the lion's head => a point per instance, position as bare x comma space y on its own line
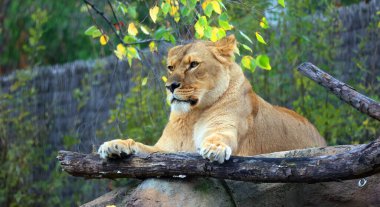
198, 73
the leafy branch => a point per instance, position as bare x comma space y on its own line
113, 28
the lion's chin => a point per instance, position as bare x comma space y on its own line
180, 107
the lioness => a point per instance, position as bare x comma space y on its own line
215, 112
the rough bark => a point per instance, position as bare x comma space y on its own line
211, 192
358, 162
343, 91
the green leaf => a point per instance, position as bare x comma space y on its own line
165, 8
208, 10
144, 81
199, 29
221, 33
263, 62
203, 21
223, 21
246, 61
246, 47
132, 12
169, 37
216, 7
185, 11
253, 65
281, 2
264, 23
129, 39
122, 8
208, 31
200, 26
221, 4
223, 16
217, 34
132, 52
144, 30
192, 4
260, 38
246, 37
93, 31
158, 34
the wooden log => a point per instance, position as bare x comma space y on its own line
343, 91
360, 161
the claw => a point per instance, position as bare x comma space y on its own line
115, 148
216, 152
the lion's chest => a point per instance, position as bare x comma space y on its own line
181, 133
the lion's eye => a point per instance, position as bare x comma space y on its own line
170, 68
194, 64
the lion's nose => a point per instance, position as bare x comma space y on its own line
173, 86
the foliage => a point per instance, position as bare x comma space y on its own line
168, 19
38, 32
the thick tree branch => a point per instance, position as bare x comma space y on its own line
342, 90
358, 162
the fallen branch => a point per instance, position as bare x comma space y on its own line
297, 166
358, 162
343, 91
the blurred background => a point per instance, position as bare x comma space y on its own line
62, 90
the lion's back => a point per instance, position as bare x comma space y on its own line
278, 129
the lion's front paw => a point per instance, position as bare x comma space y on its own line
215, 151
117, 147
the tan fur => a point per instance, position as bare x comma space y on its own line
228, 115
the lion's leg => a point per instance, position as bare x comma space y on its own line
128, 146
219, 146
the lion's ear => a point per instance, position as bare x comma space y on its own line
225, 48
174, 50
